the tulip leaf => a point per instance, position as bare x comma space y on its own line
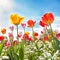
21, 51
57, 47
1, 46
12, 55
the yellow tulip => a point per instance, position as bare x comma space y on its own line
27, 33
16, 19
21, 19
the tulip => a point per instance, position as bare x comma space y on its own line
58, 35
16, 19
3, 31
27, 33
45, 38
19, 34
31, 23
11, 28
23, 25
11, 37
42, 24
48, 18
35, 34
1, 38
15, 42
7, 44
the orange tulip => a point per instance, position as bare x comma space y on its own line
16, 19
48, 18
31, 23
35, 34
3, 31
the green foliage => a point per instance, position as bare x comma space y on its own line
57, 45
21, 51
1, 46
12, 55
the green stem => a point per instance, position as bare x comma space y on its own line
17, 32
24, 30
24, 36
33, 33
53, 41
51, 30
47, 30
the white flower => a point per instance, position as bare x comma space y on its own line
5, 57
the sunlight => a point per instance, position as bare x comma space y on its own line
3, 2
6, 3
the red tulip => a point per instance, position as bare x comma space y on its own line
48, 18
42, 32
58, 35
35, 34
42, 24
31, 23
45, 38
1, 38
19, 34
26, 36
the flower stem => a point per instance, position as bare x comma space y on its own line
24, 30
17, 32
51, 30
33, 33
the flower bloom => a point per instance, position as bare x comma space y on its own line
27, 32
42, 24
11, 28
1, 38
31, 23
58, 36
15, 42
48, 18
35, 34
19, 34
7, 44
10, 36
3, 31
23, 25
16, 19
45, 38
26, 36
42, 32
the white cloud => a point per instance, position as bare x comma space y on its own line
57, 18
56, 23
6, 6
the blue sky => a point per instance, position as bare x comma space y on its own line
30, 9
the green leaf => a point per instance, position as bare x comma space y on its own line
12, 55
57, 45
31, 57
1, 46
21, 51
